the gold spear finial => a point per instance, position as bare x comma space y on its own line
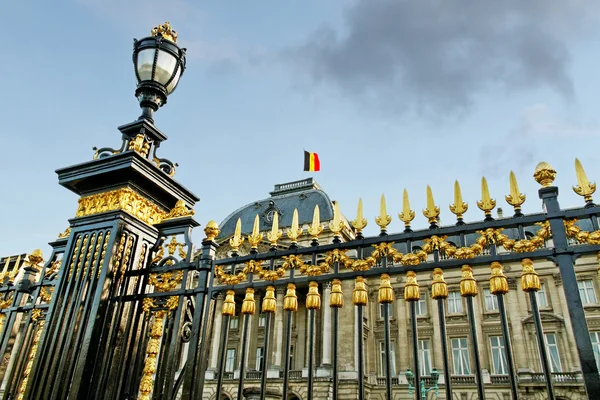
384, 219
336, 225
360, 222
316, 228
255, 238
459, 207
407, 215
294, 232
584, 187
432, 211
275, 233
486, 204
236, 241
516, 198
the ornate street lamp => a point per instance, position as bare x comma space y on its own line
159, 63
435, 376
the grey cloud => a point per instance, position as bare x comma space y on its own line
437, 56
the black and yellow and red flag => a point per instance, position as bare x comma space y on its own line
311, 161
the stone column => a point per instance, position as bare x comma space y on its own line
278, 332
403, 336
326, 336
437, 357
216, 338
516, 311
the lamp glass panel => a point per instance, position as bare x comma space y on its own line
145, 61
165, 65
175, 80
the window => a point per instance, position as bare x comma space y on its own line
381, 310
460, 356
595, 336
230, 361
586, 291
262, 317
424, 357
234, 322
259, 357
552, 349
499, 363
491, 300
422, 306
542, 297
382, 358
454, 302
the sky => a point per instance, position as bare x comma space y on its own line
391, 94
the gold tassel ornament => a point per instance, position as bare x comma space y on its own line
249, 304
336, 297
360, 297
498, 281
468, 284
313, 298
229, 304
269, 303
412, 291
385, 294
530, 280
290, 301
439, 287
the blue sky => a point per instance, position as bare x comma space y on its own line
391, 94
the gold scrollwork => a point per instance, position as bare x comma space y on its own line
583, 237
140, 144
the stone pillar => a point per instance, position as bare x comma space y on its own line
403, 327
516, 311
326, 336
437, 357
278, 332
216, 337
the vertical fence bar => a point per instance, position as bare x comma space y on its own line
313, 302
564, 258
227, 312
385, 298
530, 282
290, 304
499, 287
439, 291
468, 289
360, 298
269, 305
248, 310
412, 294
336, 301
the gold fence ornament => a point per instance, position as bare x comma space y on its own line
313, 298
32, 353
383, 220
432, 211
275, 233
439, 287
229, 304
360, 222
459, 207
407, 215
249, 304
315, 229
530, 280
147, 382
385, 294
336, 225
468, 284
294, 232
412, 291
498, 281
336, 297
486, 204
544, 174
269, 303
584, 187
255, 238
360, 296
515, 198
237, 240
290, 301
179, 211
212, 230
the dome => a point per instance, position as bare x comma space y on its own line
302, 195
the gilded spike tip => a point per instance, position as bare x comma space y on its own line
516, 198
236, 241
459, 207
316, 228
486, 204
407, 215
336, 225
544, 174
383, 220
294, 232
275, 233
432, 212
584, 187
360, 222
255, 238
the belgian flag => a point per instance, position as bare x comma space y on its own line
311, 161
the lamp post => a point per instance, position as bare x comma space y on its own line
159, 63
410, 377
